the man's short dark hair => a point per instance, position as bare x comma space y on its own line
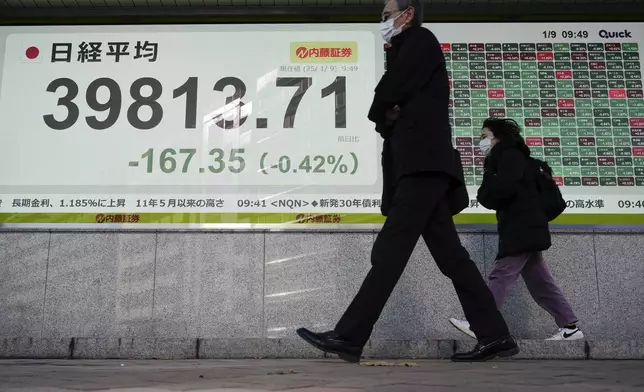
417, 5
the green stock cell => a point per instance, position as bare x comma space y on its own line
567, 132
550, 122
531, 112
478, 181
604, 141
533, 132
616, 84
536, 152
587, 151
531, 94
557, 171
529, 75
630, 47
607, 181
623, 171
552, 151
570, 151
619, 122
529, 66
584, 112
589, 171
586, 132
618, 103
551, 132
462, 132
514, 113
554, 161
638, 161
622, 141
462, 112
585, 122
538, 132
494, 75
513, 93
621, 132
564, 85
613, 75
571, 171
460, 66
480, 113
584, 103
478, 93
636, 112
563, 65
496, 103
607, 171
566, 93
469, 181
546, 66
512, 75
479, 103
495, 65
614, 56
477, 66
580, 65
561, 47
601, 103
468, 171
511, 66
623, 160
619, 112
569, 142
527, 84
567, 122
478, 75
460, 75
603, 132
636, 103
570, 161
588, 161
497, 84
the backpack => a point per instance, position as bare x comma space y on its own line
549, 193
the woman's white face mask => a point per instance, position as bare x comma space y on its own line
485, 145
388, 30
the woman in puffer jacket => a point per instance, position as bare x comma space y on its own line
510, 188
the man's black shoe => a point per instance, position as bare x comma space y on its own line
332, 342
501, 348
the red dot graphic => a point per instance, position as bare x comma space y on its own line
32, 52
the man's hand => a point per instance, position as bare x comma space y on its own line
392, 114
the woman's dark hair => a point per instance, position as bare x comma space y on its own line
507, 130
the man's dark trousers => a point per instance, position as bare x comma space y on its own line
419, 208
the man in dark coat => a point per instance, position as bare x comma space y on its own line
410, 110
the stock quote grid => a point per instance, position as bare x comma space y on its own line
580, 105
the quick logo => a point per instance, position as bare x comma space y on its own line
615, 34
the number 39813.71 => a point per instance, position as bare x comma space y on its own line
113, 104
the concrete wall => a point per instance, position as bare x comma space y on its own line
214, 295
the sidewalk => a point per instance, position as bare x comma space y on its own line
319, 376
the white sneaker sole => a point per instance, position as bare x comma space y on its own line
466, 331
578, 336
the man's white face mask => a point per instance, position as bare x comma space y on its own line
388, 30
